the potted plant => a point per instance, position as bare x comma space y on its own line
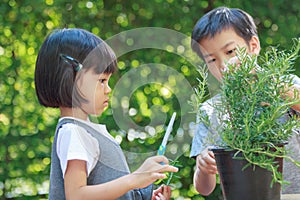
253, 123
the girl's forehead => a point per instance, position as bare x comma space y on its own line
94, 71
104, 75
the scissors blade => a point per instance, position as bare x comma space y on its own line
162, 147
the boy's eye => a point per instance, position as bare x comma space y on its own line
231, 51
211, 60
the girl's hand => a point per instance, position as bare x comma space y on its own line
162, 193
151, 170
206, 162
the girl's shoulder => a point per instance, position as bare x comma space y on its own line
73, 132
74, 142
85, 128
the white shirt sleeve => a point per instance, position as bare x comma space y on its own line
74, 143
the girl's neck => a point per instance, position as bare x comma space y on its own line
73, 112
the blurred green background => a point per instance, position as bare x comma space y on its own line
27, 129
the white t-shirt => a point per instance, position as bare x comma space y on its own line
75, 143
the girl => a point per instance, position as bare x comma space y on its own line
72, 72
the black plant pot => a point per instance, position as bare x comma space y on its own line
245, 184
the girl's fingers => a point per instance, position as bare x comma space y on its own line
161, 159
167, 191
159, 190
161, 197
170, 168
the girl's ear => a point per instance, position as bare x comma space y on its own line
254, 45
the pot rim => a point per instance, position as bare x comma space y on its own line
216, 148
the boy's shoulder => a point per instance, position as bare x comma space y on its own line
211, 103
295, 79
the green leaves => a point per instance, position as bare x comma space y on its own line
253, 109
255, 98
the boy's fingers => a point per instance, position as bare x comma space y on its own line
209, 158
209, 168
210, 161
211, 154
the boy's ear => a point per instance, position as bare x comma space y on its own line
254, 45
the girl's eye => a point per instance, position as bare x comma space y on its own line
102, 80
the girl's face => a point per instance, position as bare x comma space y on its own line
220, 50
95, 89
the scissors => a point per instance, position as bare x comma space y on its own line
162, 147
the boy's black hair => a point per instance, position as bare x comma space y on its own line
56, 73
219, 19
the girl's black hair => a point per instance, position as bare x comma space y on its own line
219, 19
59, 60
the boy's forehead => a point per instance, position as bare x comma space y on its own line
220, 41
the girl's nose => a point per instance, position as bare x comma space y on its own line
107, 89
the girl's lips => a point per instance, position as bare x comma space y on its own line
106, 102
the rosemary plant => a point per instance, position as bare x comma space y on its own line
254, 106
170, 175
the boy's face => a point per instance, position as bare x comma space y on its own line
220, 50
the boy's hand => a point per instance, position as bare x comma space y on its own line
162, 193
206, 162
293, 92
151, 170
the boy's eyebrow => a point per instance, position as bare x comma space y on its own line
207, 55
224, 47
227, 44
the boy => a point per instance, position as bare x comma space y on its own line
215, 38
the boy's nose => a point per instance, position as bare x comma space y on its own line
234, 61
224, 66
